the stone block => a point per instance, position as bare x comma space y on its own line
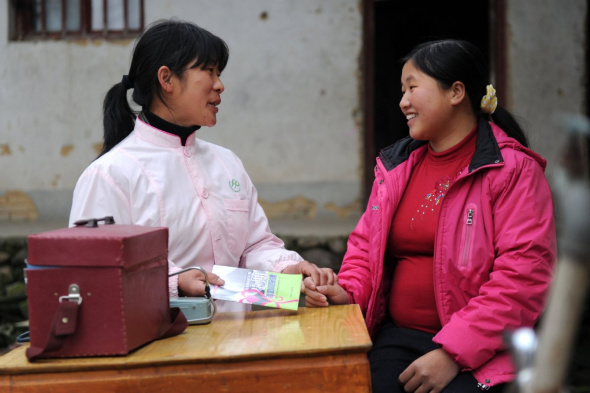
4, 258
6, 276
16, 290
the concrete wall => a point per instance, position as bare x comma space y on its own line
290, 110
547, 46
292, 105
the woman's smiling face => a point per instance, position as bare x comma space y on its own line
425, 104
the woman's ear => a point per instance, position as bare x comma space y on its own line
458, 93
165, 79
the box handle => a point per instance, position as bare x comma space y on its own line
64, 323
93, 222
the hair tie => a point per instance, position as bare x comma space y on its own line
127, 83
489, 102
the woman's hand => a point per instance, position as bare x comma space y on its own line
320, 276
431, 372
192, 282
324, 295
315, 279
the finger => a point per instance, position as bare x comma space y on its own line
329, 290
215, 279
315, 296
322, 277
308, 283
412, 382
308, 269
315, 299
315, 274
406, 375
314, 303
412, 385
303, 267
425, 388
328, 276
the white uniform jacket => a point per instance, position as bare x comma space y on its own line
200, 191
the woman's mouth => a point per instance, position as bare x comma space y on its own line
213, 105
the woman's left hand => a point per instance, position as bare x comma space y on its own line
192, 282
320, 276
431, 372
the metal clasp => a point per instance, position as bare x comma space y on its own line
73, 294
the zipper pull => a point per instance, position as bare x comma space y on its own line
470, 217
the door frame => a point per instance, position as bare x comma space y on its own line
497, 68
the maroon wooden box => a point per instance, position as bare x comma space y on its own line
121, 272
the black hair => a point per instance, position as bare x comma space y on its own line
172, 43
449, 61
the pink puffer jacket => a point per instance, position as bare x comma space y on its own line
495, 249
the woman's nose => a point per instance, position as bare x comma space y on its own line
404, 102
218, 85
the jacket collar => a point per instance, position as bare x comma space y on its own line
487, 150
159, 137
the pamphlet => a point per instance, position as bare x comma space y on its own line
268, 289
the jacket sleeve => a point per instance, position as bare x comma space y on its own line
355, 274
263, 250
97, 195
525, 252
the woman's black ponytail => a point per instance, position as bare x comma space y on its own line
118, 117
506, 121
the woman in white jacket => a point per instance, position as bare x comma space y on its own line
153, 170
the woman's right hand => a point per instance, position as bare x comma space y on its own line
324, 295
192, 282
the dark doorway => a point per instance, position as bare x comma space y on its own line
396, 27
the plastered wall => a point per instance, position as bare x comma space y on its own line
292, 106
547, 71
290, 110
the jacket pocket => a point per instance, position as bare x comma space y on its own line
467, 236
237, 214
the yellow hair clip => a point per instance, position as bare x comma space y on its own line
489, 102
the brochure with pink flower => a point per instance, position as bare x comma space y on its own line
276, 290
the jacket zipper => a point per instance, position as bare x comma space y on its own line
469, 224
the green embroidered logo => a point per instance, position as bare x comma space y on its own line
234, 185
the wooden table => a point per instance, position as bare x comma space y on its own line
311, 350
